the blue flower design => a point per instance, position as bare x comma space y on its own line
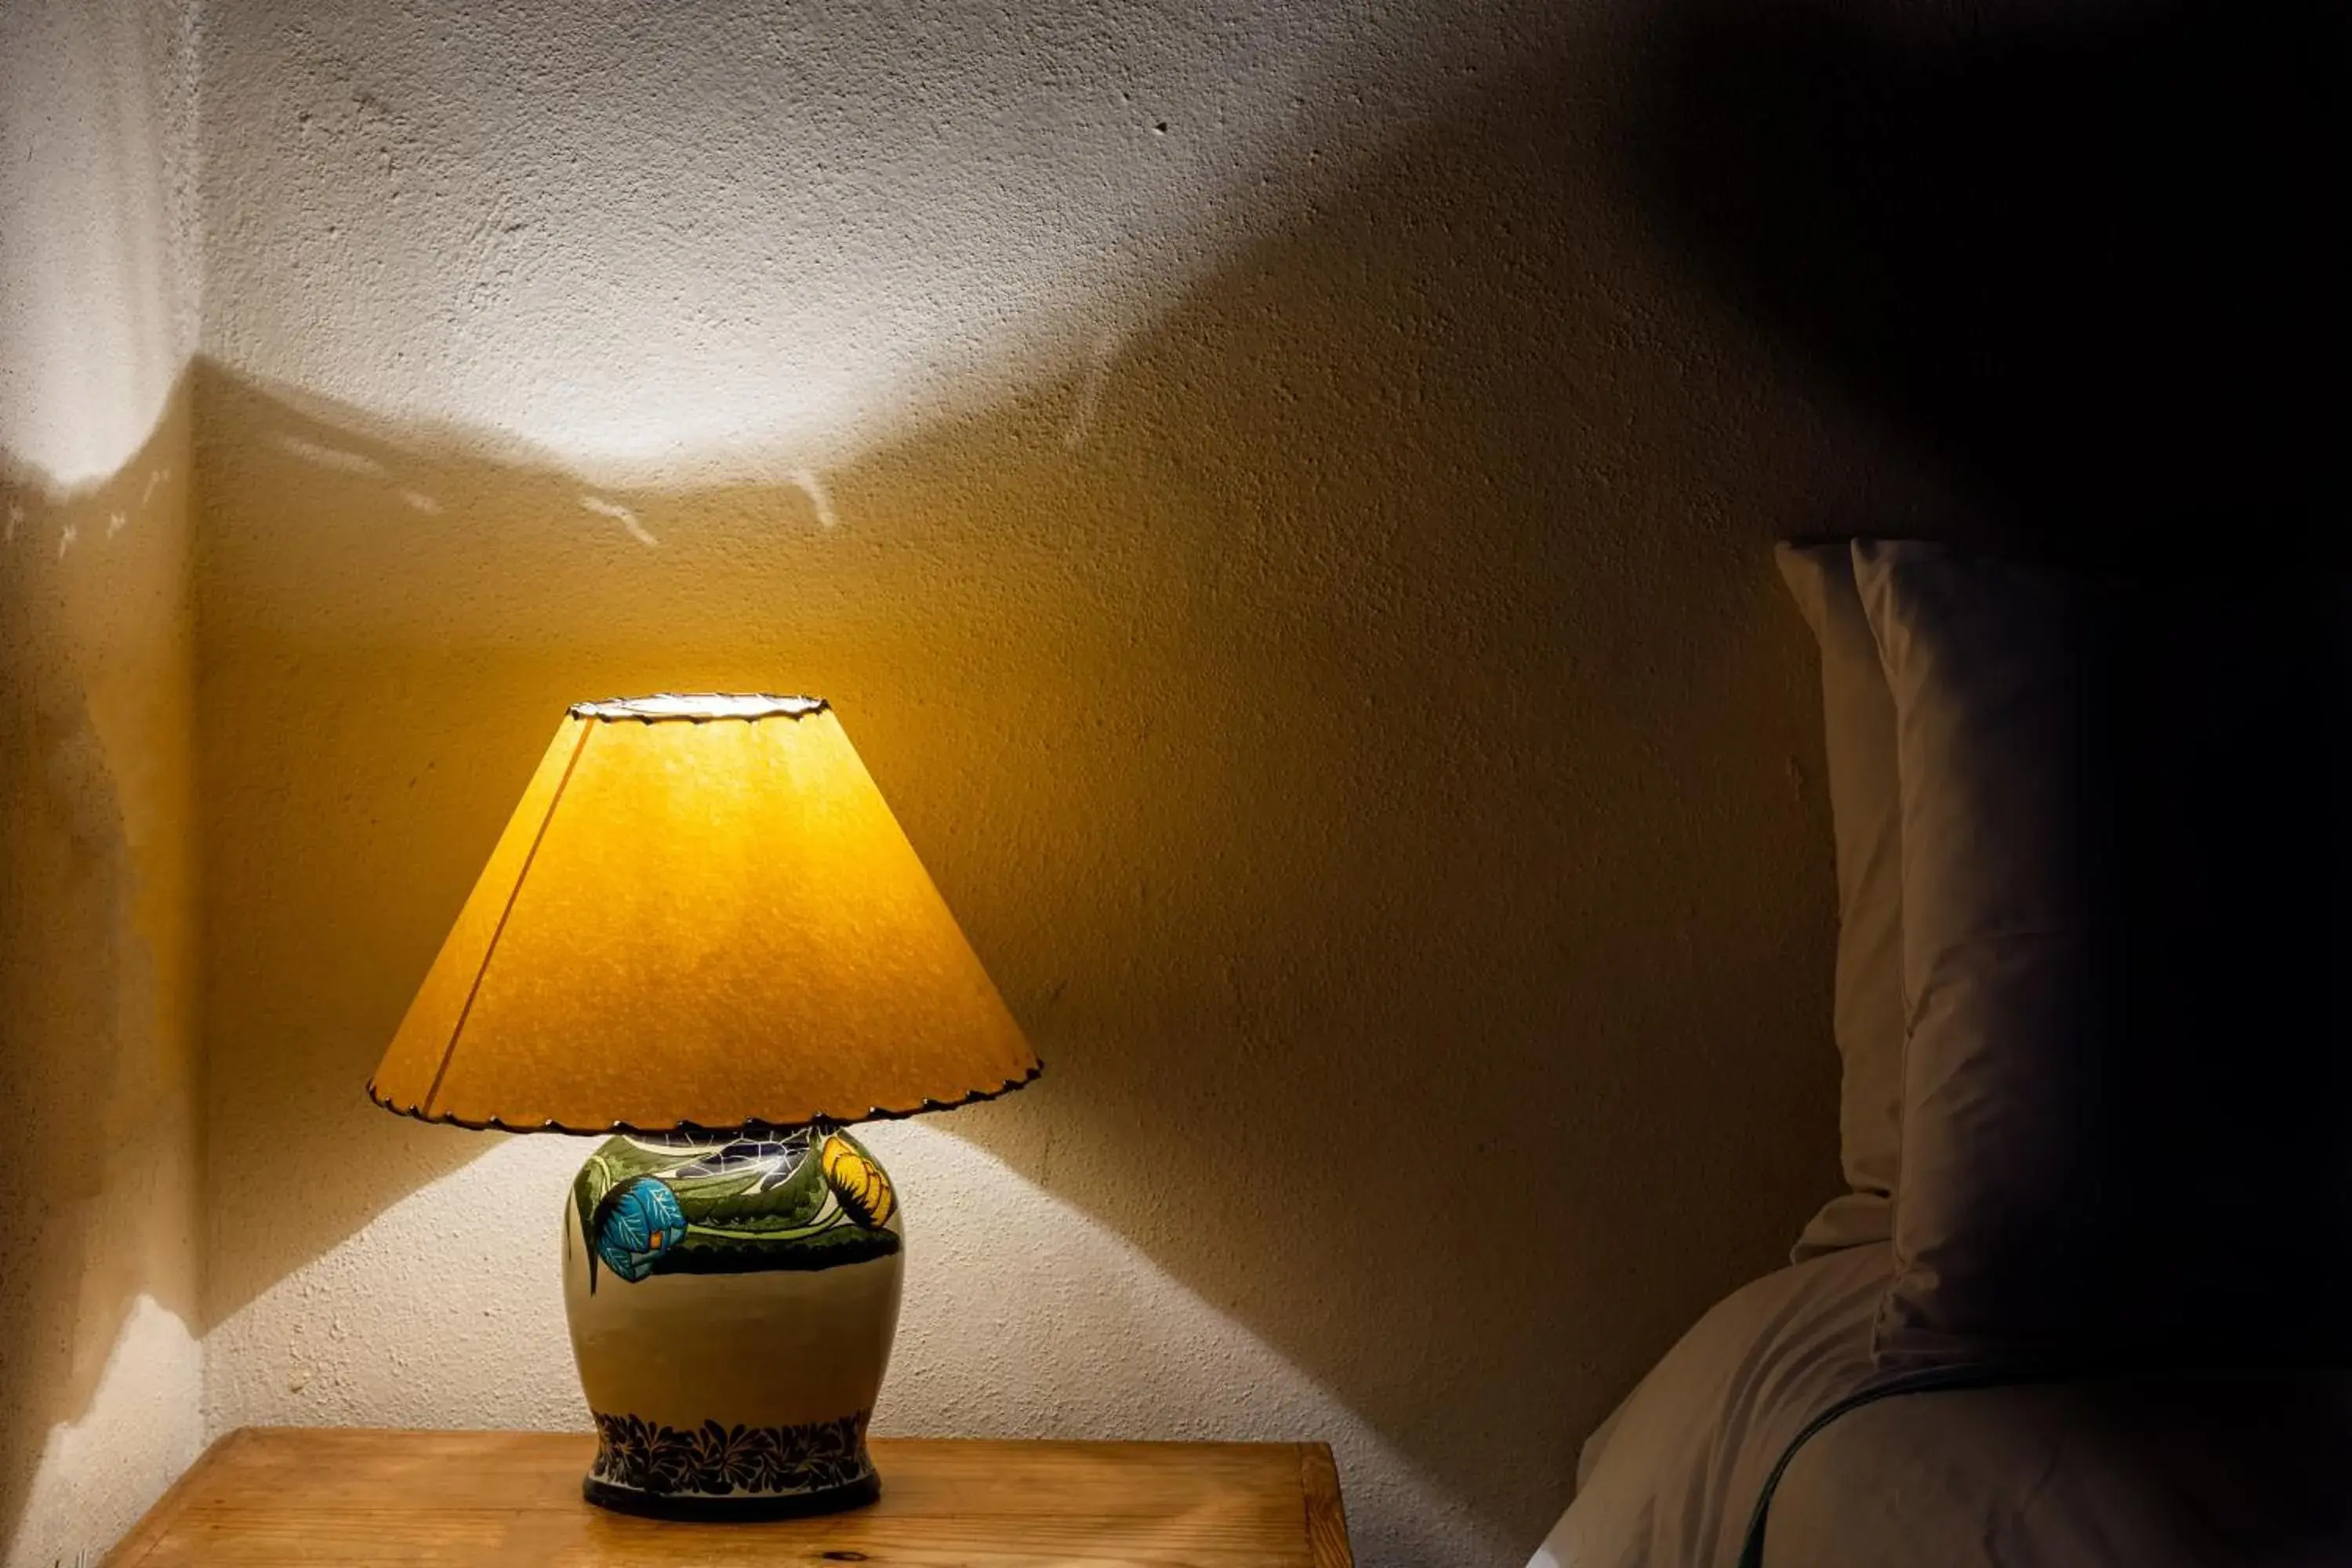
638, 1222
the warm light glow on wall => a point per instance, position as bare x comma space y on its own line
96, 210
743, 245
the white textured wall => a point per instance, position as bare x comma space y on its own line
1023, 1316
98, 270
100, 1363
1287, 542
1281, 498
737, 240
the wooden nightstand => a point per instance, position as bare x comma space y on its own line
292, 1498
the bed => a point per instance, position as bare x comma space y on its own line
2087, 1298
2222, 1470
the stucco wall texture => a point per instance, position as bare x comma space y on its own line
1285, 531
100, 1363
1290, 546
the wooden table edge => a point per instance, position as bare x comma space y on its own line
157, 1522
1325, 1513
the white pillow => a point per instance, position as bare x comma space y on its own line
2126, 830
1858, 732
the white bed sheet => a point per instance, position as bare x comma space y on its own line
2216, 1471
2188, 1470
1670, 1480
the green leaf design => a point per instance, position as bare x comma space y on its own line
726, 1201
704, 1253
615, 1161
714, 1189
767, 1226
730, 1227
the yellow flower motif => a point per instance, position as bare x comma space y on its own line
857, 1181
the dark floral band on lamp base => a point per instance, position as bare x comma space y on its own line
644, 1467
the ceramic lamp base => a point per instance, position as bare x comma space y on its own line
732, 1301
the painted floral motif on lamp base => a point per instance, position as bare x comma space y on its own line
732, 1299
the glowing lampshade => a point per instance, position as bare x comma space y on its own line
702, 915
703, 932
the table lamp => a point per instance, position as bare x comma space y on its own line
703, 933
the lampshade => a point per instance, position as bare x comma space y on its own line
702, 915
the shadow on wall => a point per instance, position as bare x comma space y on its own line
2092, 258
97, 977
1360, 732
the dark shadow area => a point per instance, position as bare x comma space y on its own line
98, 1063
2089, 258
2244, 1469
2238, 1467
1372, 754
